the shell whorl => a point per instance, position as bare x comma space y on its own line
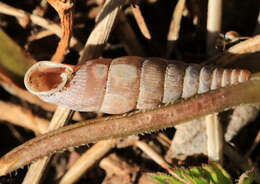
47, 78
120, 85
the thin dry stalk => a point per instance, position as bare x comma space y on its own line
133, 123
64, 9
214, 21
87, 160
36, 170
153, 154
22, 117
127, 36
164, 140
215, 138
40, 35
214, 128
102, 30
175, 25
157, 158
140, 21
47, 24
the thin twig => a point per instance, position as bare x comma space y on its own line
64, 9
157, 158
214, 21
173, 33
214, 129
36, 170
99, 35
140, 21
141, 122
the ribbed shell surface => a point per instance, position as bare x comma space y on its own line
127, 83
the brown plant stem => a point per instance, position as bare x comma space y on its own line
132, 123
64, 9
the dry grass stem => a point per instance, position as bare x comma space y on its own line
102, 30
142, 121
215, 135
157, 158
40, 35
36, 170
215, 138
87, 160
140, 21
65, 11
214, 22
174, 29
164, 140
153, 154
47, 24
23, 117
175, 25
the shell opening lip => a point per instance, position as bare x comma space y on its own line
63, 75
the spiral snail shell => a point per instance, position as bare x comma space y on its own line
120, 85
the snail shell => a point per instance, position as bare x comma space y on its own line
120, 85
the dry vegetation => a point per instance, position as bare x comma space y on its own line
73, 32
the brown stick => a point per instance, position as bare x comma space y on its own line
133, 123
65, 12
